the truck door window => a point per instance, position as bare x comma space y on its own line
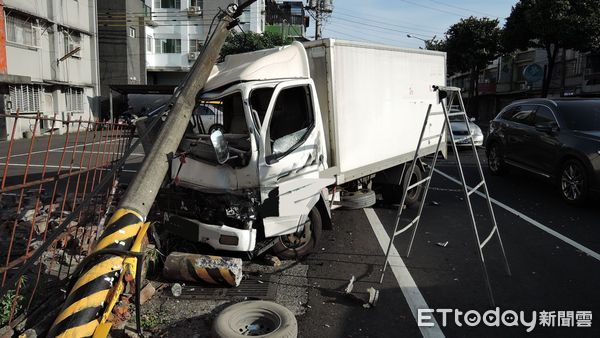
291, 121
259, 103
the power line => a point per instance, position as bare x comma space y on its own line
390, 24
465, 9
384, 28
387, 19
432, 8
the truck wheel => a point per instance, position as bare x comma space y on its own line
362, 198
300, 244
255, 318
392, 193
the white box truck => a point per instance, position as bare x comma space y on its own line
295, 122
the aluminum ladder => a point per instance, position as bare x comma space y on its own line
448, 94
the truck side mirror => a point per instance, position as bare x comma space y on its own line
219, 143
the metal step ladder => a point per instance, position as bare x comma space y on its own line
449, 95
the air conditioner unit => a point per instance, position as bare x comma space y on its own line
192, 56
194, 11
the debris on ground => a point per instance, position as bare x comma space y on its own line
176, 290
373, 298
217, 270
442, 244
271, 260
350, 285
146, 293
434, 203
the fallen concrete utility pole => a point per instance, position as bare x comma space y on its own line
209, 269
86, 305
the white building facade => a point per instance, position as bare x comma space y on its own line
51, 61
177, 31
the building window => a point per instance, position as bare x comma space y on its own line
195, 45
167, 4
21, 31
72, 41
196, 3
25, 98
132, 32
149, 43
74, 100
164, 46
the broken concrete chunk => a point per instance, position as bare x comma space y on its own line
210, 269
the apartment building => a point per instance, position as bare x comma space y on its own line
177, 30
48, 61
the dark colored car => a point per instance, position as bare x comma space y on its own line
558, 139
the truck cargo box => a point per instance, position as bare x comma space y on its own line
373, 100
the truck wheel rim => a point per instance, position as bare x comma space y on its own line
571, 182
298, 240
256, 323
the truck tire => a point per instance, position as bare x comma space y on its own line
255, 318
298, 245
362, 198
392, 193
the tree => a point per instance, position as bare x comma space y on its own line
248, 42
470, 45
552, 25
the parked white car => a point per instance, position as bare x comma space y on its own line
460, 132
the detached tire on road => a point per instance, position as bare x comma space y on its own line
300, 244
255, 318
362, 198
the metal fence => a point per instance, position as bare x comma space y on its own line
45, 177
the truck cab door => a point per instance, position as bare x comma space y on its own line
291, 152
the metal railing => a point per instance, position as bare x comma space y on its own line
44, 178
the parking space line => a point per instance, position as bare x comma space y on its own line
533, 222
407, 285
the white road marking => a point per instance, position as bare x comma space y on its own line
533, 222
409, 288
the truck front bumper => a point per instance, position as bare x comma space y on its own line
220, 237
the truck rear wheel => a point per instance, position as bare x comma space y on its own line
392, 193
300, 244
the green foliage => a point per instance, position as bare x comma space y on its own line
436, 44
6, 303
248, 42
472, 43
151, 321
553, 25
548, 23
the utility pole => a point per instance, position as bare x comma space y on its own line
320, 9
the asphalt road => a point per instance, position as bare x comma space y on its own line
552, 248
548, 272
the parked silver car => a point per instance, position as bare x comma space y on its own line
460, 132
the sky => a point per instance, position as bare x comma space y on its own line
389, 21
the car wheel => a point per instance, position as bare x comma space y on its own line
573, 182
255, 318
300, 244
496, 160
